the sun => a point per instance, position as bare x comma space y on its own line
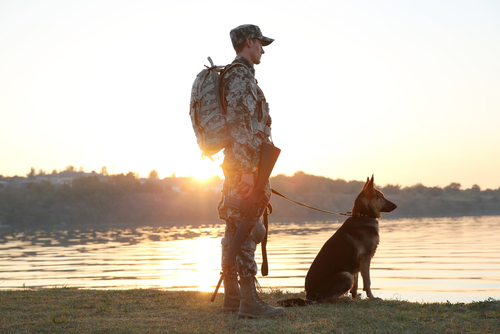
205, 169
191, 164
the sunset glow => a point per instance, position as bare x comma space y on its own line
207, 257
200, 260
204, 170
407, 91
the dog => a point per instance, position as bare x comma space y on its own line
334, 272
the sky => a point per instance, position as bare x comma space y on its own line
406, 90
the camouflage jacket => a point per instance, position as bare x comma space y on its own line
247, 116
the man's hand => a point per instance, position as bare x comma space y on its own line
247, 184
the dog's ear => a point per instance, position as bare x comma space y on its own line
368, 187
366, 183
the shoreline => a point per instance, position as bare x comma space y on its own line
69, 310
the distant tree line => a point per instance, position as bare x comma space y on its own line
184, 200
70, 168
414, 201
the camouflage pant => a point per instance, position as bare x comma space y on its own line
245, 260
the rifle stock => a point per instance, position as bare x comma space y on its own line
268, 157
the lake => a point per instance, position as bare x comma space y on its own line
425, 259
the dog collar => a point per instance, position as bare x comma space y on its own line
357, 214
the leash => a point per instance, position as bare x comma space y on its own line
348, 214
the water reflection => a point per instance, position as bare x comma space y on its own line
418, 259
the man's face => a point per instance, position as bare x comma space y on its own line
256, 51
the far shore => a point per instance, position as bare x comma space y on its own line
209, 223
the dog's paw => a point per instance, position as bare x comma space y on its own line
356, 296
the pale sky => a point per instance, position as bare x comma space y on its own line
406, 90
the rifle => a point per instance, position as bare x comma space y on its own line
251, 208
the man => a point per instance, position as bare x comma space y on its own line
249, 126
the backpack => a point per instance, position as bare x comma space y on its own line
207, 110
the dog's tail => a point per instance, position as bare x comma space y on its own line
295, 302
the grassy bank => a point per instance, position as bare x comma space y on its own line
68, 310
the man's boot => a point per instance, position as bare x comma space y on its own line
231, 294
251, 306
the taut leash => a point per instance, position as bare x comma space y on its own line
348, 214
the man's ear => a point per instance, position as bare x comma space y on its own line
248, 42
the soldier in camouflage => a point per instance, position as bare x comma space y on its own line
249, 126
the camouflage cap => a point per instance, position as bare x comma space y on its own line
241, 33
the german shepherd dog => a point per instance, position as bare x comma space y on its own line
348, 252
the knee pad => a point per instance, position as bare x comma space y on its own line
258, 232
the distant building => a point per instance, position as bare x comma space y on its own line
14, 182
55, 179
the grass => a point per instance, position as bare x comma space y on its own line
70, 310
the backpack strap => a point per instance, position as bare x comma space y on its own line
209, 117
221, 87
258, 126
229, 67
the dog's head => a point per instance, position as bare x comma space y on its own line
371, 202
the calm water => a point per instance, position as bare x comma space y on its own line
428, 259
